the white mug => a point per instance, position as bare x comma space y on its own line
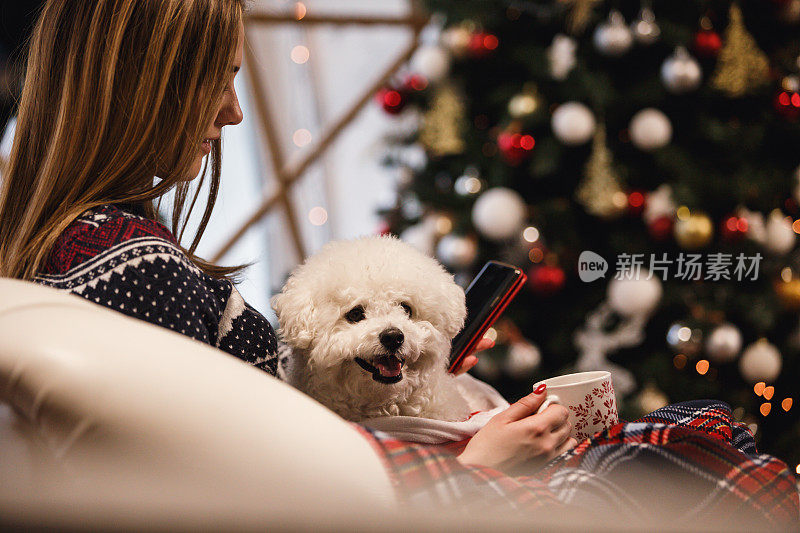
589, 398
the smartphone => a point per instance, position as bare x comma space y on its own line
487, 297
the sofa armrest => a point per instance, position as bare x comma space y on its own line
129, 419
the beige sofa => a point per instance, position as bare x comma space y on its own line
107, 422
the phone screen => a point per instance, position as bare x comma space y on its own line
486, 296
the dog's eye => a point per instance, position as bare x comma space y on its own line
407, 309
356, 314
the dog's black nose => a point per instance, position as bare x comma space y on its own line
392, 338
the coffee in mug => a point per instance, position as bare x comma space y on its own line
589, 398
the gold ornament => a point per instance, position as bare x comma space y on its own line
579, 15
742, 67
788, 292
600, 191
525, 103
442, 125
694, 230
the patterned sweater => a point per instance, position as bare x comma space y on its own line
114, 256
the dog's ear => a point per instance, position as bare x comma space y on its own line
297, 316
454, 308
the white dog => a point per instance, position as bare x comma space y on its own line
369, 323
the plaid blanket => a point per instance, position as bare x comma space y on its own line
686, 462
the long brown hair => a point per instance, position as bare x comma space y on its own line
116, 93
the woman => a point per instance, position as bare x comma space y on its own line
117, 93
123, 101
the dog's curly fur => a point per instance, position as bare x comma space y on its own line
389, 279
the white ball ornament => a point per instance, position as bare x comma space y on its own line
631, 297
613, 37
432, 61
650, 129
421, 236
761, 361
681, 72
724, 343
457, 251
780, 237
523, 358
499, 213
573, 123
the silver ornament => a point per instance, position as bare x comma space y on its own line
613, 37
761, 361
724, 343
650, 129
681, 72
684, 339
499, 213
645, 29
639, 296
457, 251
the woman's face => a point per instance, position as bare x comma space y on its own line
229, 111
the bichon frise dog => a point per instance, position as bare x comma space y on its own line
369, 323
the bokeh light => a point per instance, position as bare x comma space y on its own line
299, 10
318, 216
301, 137
300, 54
530, 234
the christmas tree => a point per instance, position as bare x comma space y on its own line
640, 161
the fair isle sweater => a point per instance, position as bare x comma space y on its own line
114, 256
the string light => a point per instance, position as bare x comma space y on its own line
683, 213
530, 234
768, 392
796, 225
301, 137
318, 216
759, 388
786, 404
300, 54
786, 274
797, 469
702, 366
444, 225
536, 255
299, 10
765, 408
619, 199
679, 361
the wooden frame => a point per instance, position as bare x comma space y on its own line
289, 171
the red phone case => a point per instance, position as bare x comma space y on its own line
495, 314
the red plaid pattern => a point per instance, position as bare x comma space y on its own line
688, 458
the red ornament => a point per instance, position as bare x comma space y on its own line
733, 228
415, 82
482, 43
660, 229
392, 100
515, 147
636, 202
546, 280
707, 43
787, 100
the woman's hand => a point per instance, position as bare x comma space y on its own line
518, 435
471, 360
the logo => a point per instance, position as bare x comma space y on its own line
591, 266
